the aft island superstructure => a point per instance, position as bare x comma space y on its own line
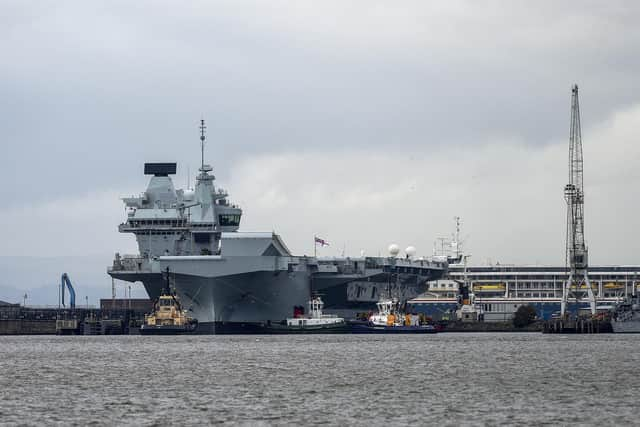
229, 279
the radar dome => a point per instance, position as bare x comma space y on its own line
411, 251
394, 249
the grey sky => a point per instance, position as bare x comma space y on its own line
366, 121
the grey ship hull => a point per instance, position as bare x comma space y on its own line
250, 298
630, 324
364, 294
240, 294
348, 295
222, 299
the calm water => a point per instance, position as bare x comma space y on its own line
449, 379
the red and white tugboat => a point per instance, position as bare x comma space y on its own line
315, 322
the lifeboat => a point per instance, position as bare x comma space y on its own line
489, 287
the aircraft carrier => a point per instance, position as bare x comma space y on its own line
233, 281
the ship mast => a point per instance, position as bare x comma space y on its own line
203, 129
456, 253
576, 256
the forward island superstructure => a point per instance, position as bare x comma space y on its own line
231, 280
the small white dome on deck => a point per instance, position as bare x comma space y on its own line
394, 249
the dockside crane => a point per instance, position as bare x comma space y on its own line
64, 280
576, 256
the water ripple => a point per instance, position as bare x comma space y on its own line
448, 379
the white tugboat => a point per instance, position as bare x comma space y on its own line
468, 311
315, 322
387, 315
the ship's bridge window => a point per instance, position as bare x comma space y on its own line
229, 220
202, 237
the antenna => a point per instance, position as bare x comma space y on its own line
203, 129
113, 293
457, 237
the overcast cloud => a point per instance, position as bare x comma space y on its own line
364, 122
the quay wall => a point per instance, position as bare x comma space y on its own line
27, 327
489, 327
18, 320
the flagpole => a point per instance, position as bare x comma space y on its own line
315, 247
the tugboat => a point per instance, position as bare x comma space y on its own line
391, 320
315, 323
468, 311
168, 318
